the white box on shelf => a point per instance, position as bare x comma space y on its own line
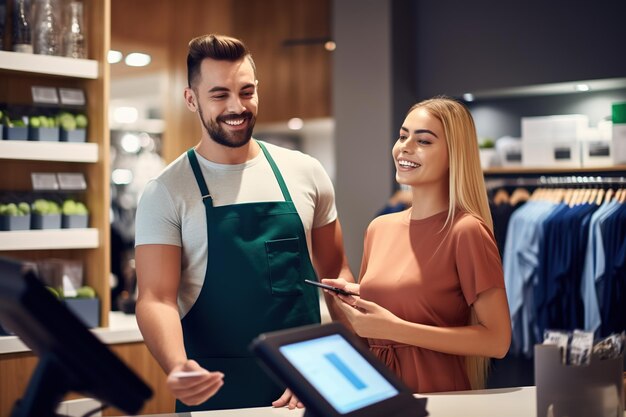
555, 153
509, 151
567, 126
596, 148
619, 143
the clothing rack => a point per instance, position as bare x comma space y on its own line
556, 181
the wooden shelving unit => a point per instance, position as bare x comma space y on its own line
18, 74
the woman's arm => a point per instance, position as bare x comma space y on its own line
490, 337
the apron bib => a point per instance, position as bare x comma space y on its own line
256, 264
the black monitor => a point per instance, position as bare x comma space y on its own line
71, 358
334, 374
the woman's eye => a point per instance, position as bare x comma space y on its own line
402, 137
424, 142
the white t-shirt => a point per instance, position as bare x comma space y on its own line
171, 212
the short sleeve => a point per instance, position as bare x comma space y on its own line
157, 221
325, 209
478, 261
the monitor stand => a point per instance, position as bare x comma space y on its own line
46, 389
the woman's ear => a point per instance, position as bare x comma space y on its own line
190, 99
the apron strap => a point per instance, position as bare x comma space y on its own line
195, 166
277, 174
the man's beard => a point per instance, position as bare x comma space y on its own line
222, 136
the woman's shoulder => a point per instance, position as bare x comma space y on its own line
465, 223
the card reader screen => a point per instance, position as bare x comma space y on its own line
339, 373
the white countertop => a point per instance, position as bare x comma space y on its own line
504, 402
122, 329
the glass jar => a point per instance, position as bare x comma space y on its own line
46, 28
22, 41
74, 42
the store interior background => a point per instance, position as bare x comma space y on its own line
517, 59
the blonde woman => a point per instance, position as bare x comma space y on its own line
432, 303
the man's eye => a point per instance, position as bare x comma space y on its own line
220, 96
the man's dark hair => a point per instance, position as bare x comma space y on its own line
218, 47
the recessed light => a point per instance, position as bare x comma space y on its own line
582, 87
114, 56
330, 46
137, 59
295, 123
125, 115
468, 97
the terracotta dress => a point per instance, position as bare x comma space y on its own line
425, 275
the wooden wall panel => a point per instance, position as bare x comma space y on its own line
16, 369
294, 81
193, 18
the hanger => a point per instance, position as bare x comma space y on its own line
501, 197
599, 196
609, 195
519, 195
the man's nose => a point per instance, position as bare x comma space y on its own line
235, 105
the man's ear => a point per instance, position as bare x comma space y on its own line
190, 99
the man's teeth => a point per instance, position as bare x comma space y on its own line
235, 122
408, 164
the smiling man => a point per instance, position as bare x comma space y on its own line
225, 237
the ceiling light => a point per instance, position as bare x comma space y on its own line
468, 97
295, 124
582, 87
125, 115
130, 143
122, 176
114, 56
137, 59
330, 46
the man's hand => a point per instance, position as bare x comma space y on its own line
289, 400
192, 384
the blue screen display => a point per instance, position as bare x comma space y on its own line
338, 371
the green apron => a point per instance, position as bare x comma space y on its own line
256, 264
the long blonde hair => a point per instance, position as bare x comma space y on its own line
467, 190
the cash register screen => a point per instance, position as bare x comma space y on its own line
341, 375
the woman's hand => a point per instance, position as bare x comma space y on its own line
196, 389
367, 318
289, 400
343, 284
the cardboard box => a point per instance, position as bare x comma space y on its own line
596, 146
551, 153
553, 141
561, 127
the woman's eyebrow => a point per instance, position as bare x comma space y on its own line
418, 131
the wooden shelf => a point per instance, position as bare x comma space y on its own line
50, 65
50, 239
48, 151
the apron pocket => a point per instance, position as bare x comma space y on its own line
283, 256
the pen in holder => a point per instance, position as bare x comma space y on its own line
564, 390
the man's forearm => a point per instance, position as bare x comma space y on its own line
162, 332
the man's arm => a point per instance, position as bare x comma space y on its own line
158, 278
330, 261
